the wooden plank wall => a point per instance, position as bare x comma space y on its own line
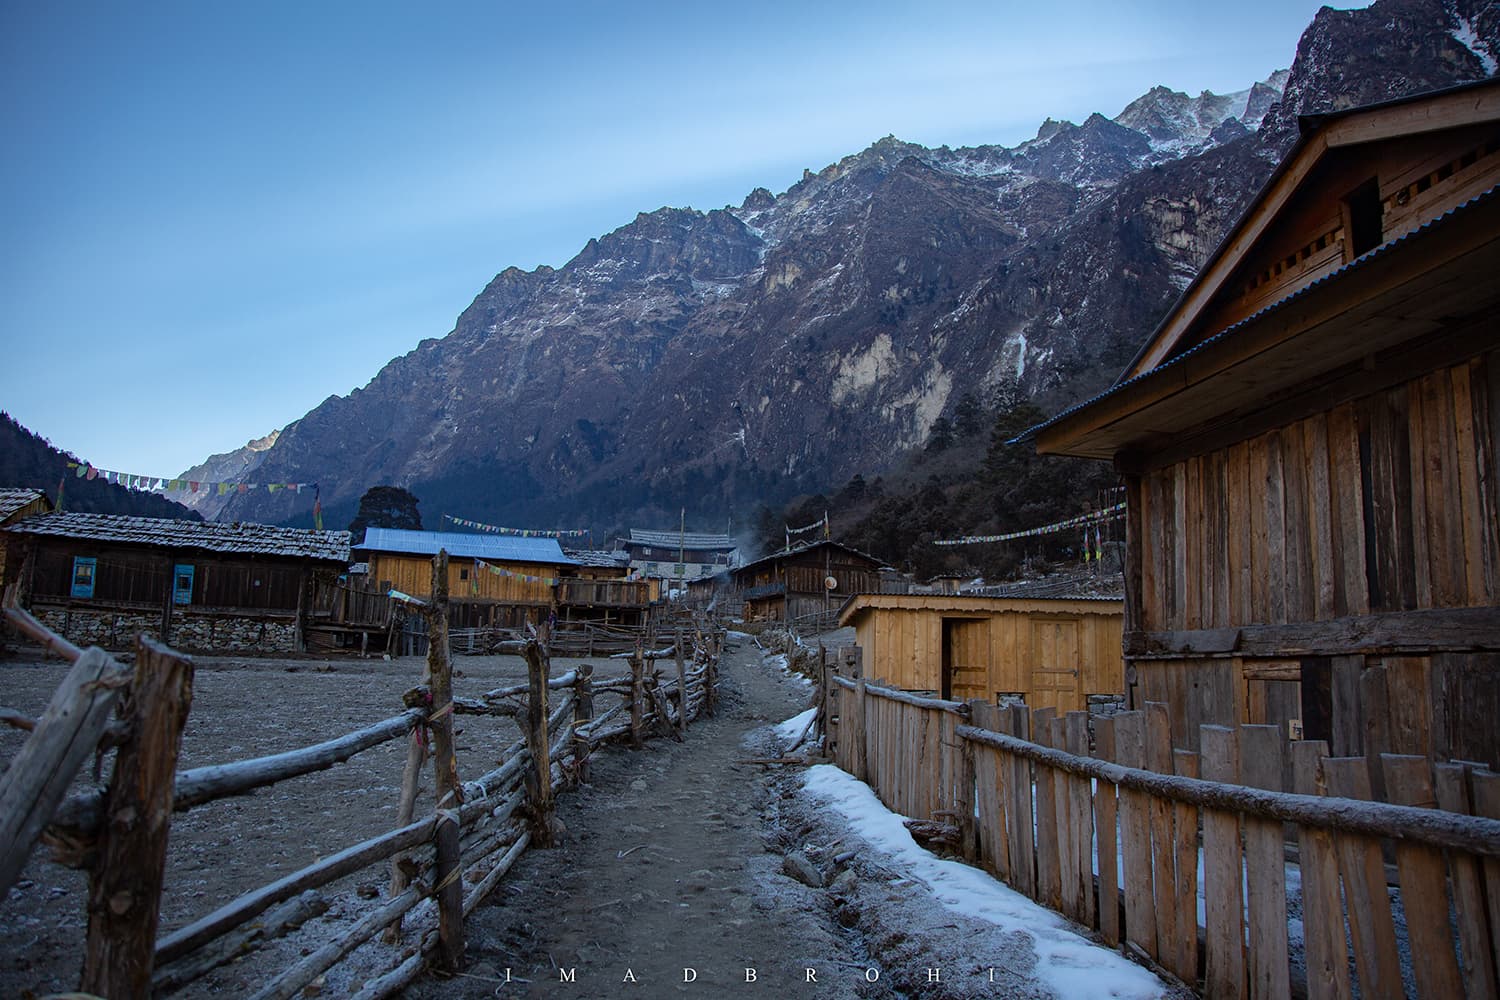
1408, 472
412, 574
904, 648
1385, 504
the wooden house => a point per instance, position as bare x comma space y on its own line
493, 580
1048, 652
678, 556
814, 578
1308, 443
98, 579
16, 503
602, 588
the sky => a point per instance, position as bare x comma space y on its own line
213, 216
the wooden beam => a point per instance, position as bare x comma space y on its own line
40, 773
1431, 827
126, 877
1394, 633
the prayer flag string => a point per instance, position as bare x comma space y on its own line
1092, 518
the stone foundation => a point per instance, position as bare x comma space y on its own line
193, 633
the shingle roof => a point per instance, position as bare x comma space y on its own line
599, 558
688, 540
236, 538
502, 548
13, 498
804, 547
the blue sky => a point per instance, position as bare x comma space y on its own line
217, 215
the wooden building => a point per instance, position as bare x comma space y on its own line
1048, 652
16, 503
493, 580
678, 556
602, 588
98, 579
814, 578
1308, 442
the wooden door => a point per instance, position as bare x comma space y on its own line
1055, 663
966, 659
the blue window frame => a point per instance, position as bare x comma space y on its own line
182, 584
83, 576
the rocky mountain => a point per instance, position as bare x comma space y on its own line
231, 467
784, 344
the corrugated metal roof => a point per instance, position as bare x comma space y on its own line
501, 548
234, 538
1357, 264
688, 540
13, 498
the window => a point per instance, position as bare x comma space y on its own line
83, 576
463, 573
182, 584
1364, 218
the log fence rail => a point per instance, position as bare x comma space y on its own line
443, 863
1112, 827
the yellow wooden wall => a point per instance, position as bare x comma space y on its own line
1021, 651
412, 574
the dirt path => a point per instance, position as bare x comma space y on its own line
670, 879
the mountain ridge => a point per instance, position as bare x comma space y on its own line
755, 351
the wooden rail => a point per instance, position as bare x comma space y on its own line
463, 847
1104, 821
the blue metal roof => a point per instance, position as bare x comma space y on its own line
500, 548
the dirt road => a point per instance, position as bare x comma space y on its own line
670, 879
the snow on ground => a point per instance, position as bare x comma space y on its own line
792, 728
1067, 963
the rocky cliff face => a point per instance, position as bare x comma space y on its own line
229, 467
787, 343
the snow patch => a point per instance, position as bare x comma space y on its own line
1068, 963
1466, 36
792, 728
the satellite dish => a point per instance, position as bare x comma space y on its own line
829, 583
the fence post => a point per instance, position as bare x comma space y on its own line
539, 777
637, 694
126, 878
682, 694
445, 768
583, 712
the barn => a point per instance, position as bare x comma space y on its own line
1061, 653
1308, 443
493, 580
811, 580
15, 504
98, 579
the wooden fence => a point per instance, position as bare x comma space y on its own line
453, 853
1113, 827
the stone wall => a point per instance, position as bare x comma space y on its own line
190, 632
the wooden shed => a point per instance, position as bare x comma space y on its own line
198, 585
1308, 442
16, 503
493, 580
811, 579
1048, 652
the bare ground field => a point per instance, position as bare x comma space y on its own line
245, 708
